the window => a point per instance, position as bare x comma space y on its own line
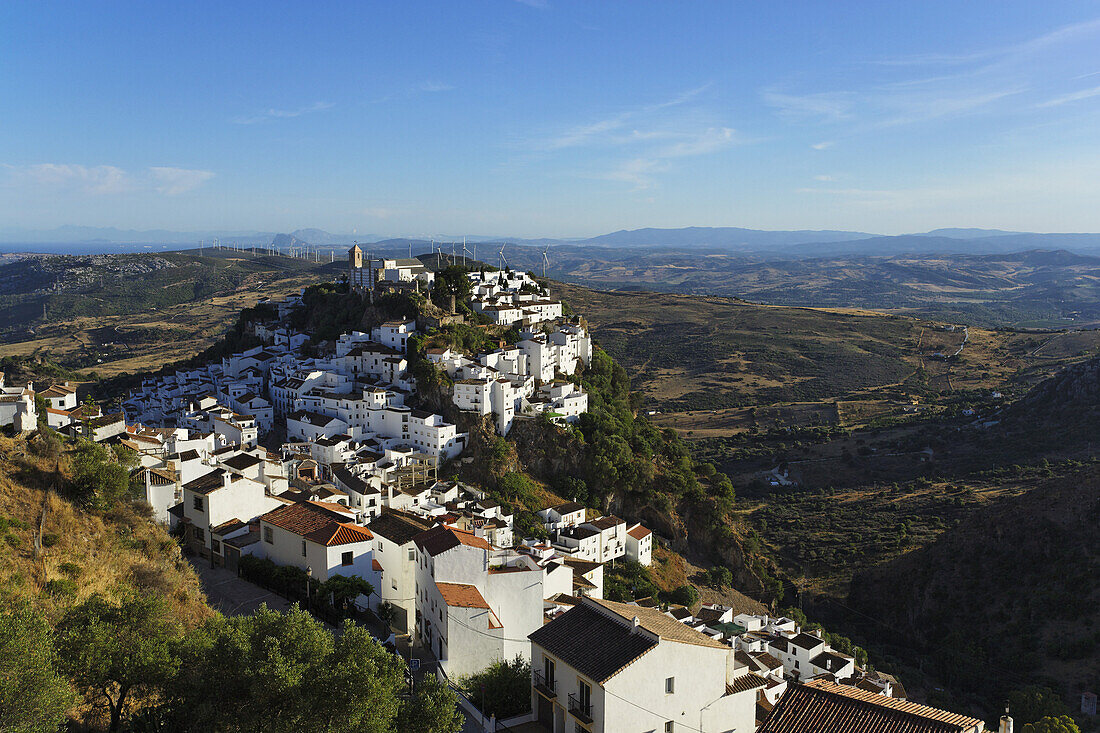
197, 503
199, 536
412, 555
670, 685
669, 727
548, 670
303, 548
215, 547
346, 558
269, 536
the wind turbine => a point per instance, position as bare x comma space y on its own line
465, 252
545, 260
501, 259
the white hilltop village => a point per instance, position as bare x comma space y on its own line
319, 462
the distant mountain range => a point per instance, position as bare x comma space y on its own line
755, 243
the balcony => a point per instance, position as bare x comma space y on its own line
579, 709
545, 687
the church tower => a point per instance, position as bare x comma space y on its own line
355, 267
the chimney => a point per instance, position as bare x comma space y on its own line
635, 623
1006, 722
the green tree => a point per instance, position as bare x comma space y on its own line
1029, 704
99, 480
115, 652
720, 576
33, 696
284, 672
343, 589
685, 595
502, 689
433, 708
451, 281
1051, 724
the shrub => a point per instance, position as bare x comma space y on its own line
64, 587
685, 595
502, 689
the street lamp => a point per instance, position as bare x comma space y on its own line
309, 576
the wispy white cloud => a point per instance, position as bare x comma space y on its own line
435, 86
1071, 97
637, 171
828, 106
824, 178
174, 181
277, 114
104, 180
823, 145
950, 83
908, 109
99, 179
1054, 38
587, 133
701, 143
639, 143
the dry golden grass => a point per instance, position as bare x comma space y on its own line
201, 324
111, 554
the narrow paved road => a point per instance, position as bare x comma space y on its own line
232, 595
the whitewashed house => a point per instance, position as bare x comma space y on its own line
604, 666
639, 544
319, 537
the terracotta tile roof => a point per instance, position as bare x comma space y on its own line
591, 642
582, 566
830, 661
806, 641
341, 534
607, 522
744, 658
745, 682
826, 707
396, 527
639, 532
653, 620
439, 539
58, 390
767, 660
242, 461
316, 523
461, 594
568, 507
206, 483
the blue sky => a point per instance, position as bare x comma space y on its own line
548, 118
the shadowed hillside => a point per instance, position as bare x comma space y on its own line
1008, 597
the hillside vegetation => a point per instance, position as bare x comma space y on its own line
88, 545
104, 315
1008, 598
103, 624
